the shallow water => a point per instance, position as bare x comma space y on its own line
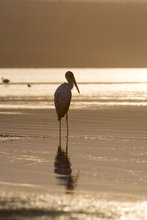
70, 207
103, 176
98, 87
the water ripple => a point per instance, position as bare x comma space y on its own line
78, 207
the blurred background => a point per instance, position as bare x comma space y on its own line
73, 33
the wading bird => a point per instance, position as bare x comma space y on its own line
62, 99
6, 81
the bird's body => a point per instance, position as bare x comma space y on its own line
5, 81
62, 98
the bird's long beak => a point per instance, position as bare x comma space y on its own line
75, 83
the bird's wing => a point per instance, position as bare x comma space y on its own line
62, 99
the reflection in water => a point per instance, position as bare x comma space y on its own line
63, 169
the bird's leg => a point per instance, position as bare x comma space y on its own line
67, 124
60, 133
67, 145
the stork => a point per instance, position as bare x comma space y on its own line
62, 99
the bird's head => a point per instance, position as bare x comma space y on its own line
71, 79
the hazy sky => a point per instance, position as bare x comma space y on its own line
91, 0
50, 34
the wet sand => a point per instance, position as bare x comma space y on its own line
106, 152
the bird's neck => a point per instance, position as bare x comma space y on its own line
70, 83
